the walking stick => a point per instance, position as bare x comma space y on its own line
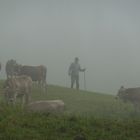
85, 81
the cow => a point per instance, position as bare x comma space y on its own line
11, 68
130, 95
19, 86
37, 73
47, 106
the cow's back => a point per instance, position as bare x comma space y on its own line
23, 81
19, 82
29, 71
133, 93
37, 73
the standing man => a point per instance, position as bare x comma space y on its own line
74, 70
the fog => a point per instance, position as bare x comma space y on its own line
104, 34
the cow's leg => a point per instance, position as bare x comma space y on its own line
27, 97
21, 100
14, 99
39, 84
7, 76
135, 107
6, 98
44, 86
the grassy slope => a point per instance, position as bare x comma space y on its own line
86, 103
95, 116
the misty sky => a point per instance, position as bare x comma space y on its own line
104, 34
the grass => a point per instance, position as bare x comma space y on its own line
91, 116
86, 103
16, 124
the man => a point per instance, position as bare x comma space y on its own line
74, 70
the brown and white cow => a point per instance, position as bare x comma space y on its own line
130, 95
37, 73
19, 86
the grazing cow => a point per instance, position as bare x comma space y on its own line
11, 68
19, 86
37, 73
47, 106
130, 94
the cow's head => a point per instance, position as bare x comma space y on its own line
9, 95
120, 93
9, 91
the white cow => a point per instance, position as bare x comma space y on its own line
47, 106
19, 86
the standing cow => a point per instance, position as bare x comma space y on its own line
37, 73
19, 86
130, 95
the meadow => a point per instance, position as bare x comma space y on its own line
87, 116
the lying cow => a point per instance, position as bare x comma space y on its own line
47, 106
130, 94
19, 86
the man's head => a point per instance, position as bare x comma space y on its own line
76, 59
